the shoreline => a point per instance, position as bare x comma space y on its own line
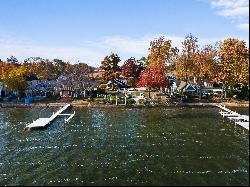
198, 105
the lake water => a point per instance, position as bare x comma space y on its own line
150, 146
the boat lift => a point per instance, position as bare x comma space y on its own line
69, 118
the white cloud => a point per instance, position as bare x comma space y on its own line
138, 46
22, 49
230, 3
243, 26
126, 44
236, 10
239, 11
91, 52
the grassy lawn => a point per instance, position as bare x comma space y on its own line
80, 101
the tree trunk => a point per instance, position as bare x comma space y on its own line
200, 92
223, 91
201, 84
149, 92
18, 95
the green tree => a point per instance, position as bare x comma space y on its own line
12, 60
59, 67
144, 61
110, 67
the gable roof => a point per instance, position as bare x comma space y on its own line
170, 78
189, 88
119, 83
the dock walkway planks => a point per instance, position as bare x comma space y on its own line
242, 120
43, 122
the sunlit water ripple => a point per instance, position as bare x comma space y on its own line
156, 146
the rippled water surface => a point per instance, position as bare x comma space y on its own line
156, 146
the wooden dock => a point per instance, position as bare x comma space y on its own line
43, 122
242, 120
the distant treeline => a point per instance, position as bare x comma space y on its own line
227, 62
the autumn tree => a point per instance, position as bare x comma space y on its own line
32, 65
153, 76
234, 59
77, 72
185, 65
161, 51
128, 69
110, 67
131, 70
5, 68
42, 68
205, 67
15, 79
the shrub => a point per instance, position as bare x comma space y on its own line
90, 99
243, 94
101, 100
142, 101
102, 86
130, 101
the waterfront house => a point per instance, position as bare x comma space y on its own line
70, 88
172, 82
38, 87
186, 87
214, 88
117, 84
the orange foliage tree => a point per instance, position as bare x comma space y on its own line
234, 63
187, 59
161, 51
205, 66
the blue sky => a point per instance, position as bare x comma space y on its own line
88, 30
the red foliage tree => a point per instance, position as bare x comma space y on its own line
153, 77
131, 70
128, 69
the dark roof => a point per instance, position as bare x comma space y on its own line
217, 85
190, 88
31, 78
170, 78
120, 83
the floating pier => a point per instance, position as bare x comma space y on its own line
44, 122
242, 120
